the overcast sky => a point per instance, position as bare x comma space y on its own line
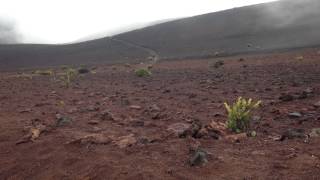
63, 21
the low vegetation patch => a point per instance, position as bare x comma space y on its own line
239, 114
44, 72
143, 72
69, 75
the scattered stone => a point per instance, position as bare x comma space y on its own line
126, 141
44, 104
179, 129
308, 91
213, 134
303, 95
154, 108
106, 115
146, 140
80, 102
300, 58
276, 137
295, 115
93, 122
135, 107
218, 114
256, 118
33, 134
203, 132
217, 128
166, 91
127, 65
259, 153
96, 129
193, 130
218, 64
189, 120
293, 133
237, 137
156, 116
72, 110
286, 97
27, 110
199, 158
193, 144
137, 123
62, 120
315, 132
125, 102
317, 104
92, 108
253, 134
192, 95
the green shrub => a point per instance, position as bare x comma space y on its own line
44, 72
69, 76
143, 72
239, 114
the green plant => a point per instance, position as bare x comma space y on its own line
69, 76
239, 114
44, 72
143, 72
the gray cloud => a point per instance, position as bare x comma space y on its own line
8, 33
288, 12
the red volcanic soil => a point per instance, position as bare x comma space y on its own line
115, 125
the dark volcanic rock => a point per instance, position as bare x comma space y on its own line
293, 133
295, 115
199, 158
286, 97
317, 104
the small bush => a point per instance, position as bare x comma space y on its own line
143, 72
69, 76
239, 114
44, 72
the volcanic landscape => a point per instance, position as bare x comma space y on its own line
108, 122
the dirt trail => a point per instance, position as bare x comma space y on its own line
153, 54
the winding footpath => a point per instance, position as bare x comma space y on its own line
153, 54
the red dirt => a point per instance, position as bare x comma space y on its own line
183, 91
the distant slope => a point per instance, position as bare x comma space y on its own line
99, 51
279, 25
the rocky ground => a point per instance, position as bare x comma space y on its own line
112, 124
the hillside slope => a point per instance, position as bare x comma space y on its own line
283, 24
91, 52
277, 25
